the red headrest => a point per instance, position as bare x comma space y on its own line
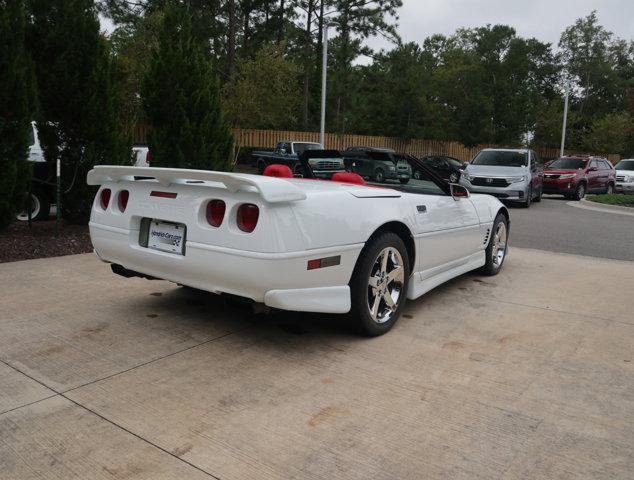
280, 171
347, 177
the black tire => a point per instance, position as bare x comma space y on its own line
538, 198
261, 166
609, 190
492, 267
454, 177
361, 291
379, 176
580, 191
404, 181
40, 206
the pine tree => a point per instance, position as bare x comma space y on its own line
79, 115
181, 97
16, 108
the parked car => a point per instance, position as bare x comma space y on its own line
449, 168
508, 174
624, 176
296, 244
378, 164
574, 176
286, 153
323, 163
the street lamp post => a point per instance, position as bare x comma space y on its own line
563, 129
324, 68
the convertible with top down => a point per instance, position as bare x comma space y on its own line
337, 245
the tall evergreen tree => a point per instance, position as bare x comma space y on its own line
78, 119
181, 97
16, 108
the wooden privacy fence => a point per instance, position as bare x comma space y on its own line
266, 139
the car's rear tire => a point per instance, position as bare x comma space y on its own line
580, 191
379, 176
498, 246
378, 287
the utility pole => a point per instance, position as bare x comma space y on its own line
563, 130
324, 68
58, 196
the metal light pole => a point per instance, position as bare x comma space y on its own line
563, 130
324, 68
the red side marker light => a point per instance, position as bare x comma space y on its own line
156, 193
323, 262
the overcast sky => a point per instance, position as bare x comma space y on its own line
542, 19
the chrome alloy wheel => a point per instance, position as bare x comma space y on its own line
385, 285
499, 245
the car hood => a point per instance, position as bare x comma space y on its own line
562, 171
493, 171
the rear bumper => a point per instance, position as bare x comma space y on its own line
280, 280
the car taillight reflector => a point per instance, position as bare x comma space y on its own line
105, 198
248, 215
156, 193
216, 212
124, 195
148, 158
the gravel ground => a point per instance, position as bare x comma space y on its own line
20, 243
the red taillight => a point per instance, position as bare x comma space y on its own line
148, 158
105, 198
248, 215
123, 200
216, 212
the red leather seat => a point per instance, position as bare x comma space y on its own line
348, 177
279, 171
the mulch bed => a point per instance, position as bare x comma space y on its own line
20, 243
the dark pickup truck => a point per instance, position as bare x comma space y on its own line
286, 153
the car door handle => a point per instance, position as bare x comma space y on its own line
421, 208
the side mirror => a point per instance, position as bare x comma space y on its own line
458, 191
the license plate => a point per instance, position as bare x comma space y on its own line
167, 237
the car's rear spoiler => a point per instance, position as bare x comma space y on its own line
272, 190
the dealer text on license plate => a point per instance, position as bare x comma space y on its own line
167, 237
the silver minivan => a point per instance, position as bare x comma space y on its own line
508, 174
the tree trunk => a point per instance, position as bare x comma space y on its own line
231, 39
280, 29
308, 43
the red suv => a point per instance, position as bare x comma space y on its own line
573, 177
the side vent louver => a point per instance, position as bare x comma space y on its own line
486, 236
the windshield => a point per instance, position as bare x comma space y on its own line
625, 165
302, 147
454, 163
568, 163
500, 158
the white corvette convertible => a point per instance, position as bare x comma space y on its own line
302, 244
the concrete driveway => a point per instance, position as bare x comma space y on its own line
529, 374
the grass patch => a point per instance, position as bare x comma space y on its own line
613, 199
